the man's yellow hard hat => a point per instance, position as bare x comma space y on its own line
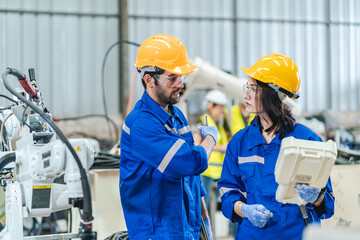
166, 52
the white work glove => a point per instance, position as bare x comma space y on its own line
209, 130
307, 193
208, 228
257, 214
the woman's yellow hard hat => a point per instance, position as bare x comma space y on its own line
278, 70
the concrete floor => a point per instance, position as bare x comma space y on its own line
222, 226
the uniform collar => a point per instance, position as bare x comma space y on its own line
256, 138
156, 108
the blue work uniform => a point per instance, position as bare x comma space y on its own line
248, 176
160, 185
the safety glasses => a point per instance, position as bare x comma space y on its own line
170, 80
251, 90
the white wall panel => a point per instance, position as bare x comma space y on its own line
322, 37
65, 41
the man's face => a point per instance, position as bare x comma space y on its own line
168, 87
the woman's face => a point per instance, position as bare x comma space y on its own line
252, 92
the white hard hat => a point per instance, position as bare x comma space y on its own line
216, 96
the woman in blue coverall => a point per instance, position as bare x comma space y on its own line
247, 185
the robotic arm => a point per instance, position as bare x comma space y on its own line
209, 77
40, 158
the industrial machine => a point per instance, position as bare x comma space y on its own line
32, 157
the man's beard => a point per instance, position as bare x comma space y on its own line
161, 94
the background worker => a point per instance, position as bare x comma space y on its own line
216, 102
160, 185
239, 117
247, 185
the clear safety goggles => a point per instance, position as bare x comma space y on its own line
170, 80
251, 90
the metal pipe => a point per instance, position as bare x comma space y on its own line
328, 58
123, 57
241, 19
198, 18
79, 14
53, 236
235, 39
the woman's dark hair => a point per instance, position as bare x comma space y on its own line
278, 112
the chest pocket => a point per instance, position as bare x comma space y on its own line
247, 176
269, 175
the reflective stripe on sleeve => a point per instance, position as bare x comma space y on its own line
215, 164
170, 154
184, 130
170, 129
126, 129
224, 190
255, 158
167, 127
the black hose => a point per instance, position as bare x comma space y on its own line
87, 204
19, 75
103, 75
116, 129
8, 98
6, 159
304, 214
123, 235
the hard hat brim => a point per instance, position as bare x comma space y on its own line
183, 70
247, 71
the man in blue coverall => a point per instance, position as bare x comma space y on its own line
160, 186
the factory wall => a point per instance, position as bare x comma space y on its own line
322, 37
65, 41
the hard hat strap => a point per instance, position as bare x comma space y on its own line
288, 93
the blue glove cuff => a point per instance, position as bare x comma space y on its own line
208, 227
209, 130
